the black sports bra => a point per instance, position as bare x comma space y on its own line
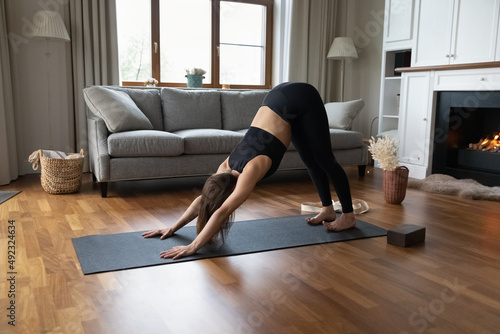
257, 142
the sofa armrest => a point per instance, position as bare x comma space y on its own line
99, 158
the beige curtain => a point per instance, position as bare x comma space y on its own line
312, 30
8, 150
94, 48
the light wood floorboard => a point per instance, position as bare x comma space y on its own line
448, 284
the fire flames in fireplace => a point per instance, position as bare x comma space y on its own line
489, 144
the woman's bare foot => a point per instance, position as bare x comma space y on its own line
346, 221
327, 214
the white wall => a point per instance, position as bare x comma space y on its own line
38, 81
364, 23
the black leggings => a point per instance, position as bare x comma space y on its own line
301, 105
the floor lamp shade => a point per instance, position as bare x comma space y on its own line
49, 25
342, 48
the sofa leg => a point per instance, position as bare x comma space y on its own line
104, 189
361, 170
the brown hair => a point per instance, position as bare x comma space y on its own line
216, 190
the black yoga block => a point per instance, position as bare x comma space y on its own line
406, 235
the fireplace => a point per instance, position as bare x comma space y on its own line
463, 121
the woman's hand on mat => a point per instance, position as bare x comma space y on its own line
164, 233
178, 252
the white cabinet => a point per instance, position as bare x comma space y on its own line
415, 122
433, 23
455, 31
398, 22
475, 31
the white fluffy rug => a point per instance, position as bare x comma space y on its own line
448, 185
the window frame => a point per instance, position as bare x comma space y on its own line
215, 59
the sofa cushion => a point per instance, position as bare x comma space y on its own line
344, 139
239, 108
209, 141
145, 143
190, 109
342, 114
149, 101
116, 108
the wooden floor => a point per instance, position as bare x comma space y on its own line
449, 284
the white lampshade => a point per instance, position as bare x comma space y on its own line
49, 25
342, 48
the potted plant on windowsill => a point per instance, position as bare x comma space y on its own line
395, 177
151, 82
195, 77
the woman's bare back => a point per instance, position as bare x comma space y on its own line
268, 120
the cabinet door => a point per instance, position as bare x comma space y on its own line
434, 25
475, 31
399, 20
413, 121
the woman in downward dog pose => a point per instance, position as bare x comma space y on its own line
291, 112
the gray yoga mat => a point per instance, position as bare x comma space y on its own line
5, 195
102, 253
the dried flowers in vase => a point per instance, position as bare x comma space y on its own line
385, 152
395, 178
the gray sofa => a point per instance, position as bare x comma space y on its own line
139, 133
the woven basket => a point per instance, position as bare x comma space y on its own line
59, 176
395, 183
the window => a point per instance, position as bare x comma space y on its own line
230, 39
134, 41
